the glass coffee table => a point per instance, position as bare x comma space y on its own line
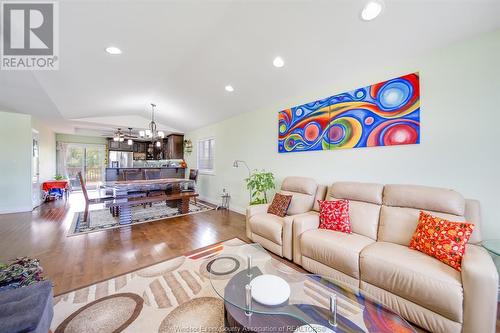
492, 245
250, 282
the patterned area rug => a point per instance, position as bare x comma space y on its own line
102, 219
172, 296
177, 296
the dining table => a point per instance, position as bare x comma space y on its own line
124, 192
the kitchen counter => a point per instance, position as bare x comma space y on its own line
150, 167
115, 174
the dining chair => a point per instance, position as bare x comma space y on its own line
132, 175
193, 175
152, 174
85, 195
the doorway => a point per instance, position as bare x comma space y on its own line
87, 159
36, 192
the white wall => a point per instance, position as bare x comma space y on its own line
47, 142
15, 162
460, 119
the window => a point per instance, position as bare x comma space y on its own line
206, 156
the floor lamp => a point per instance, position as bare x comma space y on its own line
236, 164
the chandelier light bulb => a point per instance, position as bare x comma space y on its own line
278, 62
130, 142
158, 144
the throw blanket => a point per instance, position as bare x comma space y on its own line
27, 309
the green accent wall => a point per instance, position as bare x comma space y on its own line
71, 138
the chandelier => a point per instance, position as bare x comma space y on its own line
152, 133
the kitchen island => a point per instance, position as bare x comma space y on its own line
117, 174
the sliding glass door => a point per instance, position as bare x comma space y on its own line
87, 159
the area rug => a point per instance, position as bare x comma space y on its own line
177, 296
102, 219
172, 296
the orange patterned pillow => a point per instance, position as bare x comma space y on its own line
442, 239
280, 204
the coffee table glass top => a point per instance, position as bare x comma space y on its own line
310, 295
492, 245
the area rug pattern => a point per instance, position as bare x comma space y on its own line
177, 296
102, 219
172, 296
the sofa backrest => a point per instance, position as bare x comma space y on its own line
320, 195
365, 200
401, 206
303, 191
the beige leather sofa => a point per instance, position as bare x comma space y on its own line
376, 257
274, 232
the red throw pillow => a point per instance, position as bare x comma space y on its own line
280, 204
334, 215
442, 239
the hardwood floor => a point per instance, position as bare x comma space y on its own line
77, 261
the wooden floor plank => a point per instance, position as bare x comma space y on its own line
77, 261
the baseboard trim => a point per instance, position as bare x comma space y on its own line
235, 209
14, 210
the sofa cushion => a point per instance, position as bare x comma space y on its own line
268, 226
320, 195
414, 276
473, 215
441, 239
303, 191
334, 215
366, 192
280, 204
301, 203
397, 224
364, 205
335, 249
302, 185
424, 198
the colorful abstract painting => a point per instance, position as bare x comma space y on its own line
383, 114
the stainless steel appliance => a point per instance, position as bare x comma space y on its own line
121, 159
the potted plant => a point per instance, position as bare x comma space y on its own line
259, 183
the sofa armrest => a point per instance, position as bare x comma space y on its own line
251, 211
301, 224
287, 233
480, 283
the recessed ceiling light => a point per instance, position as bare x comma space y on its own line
278, 62
229, 88
372, 9
113, 50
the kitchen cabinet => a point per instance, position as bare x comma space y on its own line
113, 145
174, 147
119, 146
139, 147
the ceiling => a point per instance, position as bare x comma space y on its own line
181, 54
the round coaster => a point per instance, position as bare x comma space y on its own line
270, 289
313, 328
